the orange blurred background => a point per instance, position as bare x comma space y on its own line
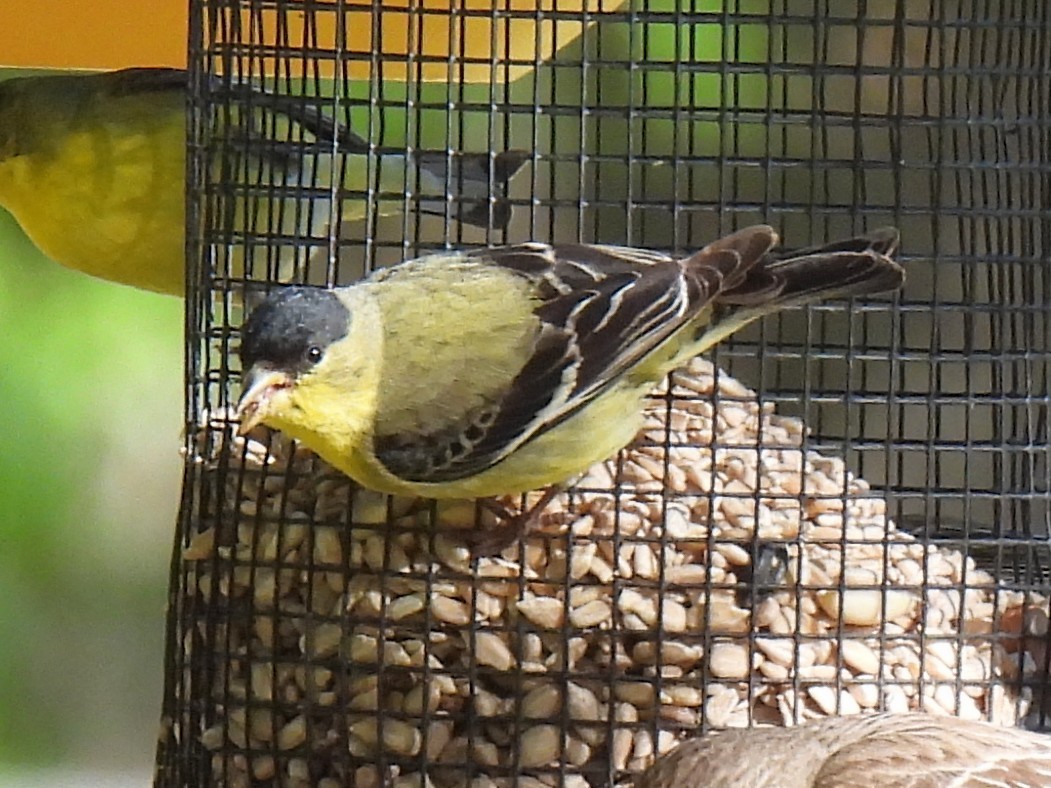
97, 34
105, 34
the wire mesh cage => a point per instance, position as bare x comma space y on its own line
843, 509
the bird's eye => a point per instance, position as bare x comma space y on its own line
314, 354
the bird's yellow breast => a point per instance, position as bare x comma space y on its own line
106, 200
592, 435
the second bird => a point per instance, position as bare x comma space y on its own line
93, 167
496, 371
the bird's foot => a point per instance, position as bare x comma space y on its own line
510, 525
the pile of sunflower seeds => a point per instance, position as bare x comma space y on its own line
715, 574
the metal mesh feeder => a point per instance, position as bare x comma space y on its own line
844, 510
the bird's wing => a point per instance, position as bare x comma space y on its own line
906, 750
910, 750
129, 81
599, 310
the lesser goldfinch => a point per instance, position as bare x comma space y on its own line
877, 750
93, 167
496, 371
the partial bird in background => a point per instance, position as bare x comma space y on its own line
93, 167
497, 371
865, 751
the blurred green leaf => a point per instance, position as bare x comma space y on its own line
82, 360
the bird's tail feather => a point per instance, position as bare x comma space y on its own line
778, 280
462, 178
467, 176
854, 267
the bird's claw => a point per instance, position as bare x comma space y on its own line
509, 527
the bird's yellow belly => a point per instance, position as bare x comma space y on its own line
112, 207
594, 434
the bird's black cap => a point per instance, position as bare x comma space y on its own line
290, 326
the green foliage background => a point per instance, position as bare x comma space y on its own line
91, 386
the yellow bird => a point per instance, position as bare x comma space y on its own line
501, 370
93, 167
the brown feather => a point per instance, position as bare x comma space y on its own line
872, 751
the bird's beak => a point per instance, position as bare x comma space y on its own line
260, 385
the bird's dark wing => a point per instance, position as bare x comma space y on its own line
129, 81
